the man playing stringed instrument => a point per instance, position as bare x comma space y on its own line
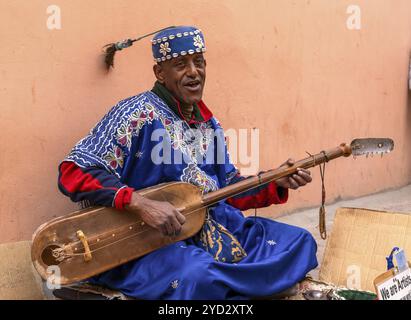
232, 257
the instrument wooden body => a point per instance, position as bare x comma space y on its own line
113, 237
91, 241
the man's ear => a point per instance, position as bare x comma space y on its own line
158, 72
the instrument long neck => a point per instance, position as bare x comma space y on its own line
266, 177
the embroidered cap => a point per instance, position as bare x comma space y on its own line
177, 41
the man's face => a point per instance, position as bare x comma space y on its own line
183, 76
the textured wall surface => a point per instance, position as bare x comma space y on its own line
292, 69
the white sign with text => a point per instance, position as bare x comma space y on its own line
397, 287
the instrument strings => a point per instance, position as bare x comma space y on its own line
94, 238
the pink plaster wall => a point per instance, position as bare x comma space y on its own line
288, 67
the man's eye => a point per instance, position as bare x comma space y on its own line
179, 64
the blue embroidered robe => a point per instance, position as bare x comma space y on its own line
124, 144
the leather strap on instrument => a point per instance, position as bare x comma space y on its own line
322, 212
322, 224
260, 182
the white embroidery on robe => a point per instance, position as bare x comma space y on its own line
124, 122
174, 284
193, 143
194, 175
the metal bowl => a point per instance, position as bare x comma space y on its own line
315, 295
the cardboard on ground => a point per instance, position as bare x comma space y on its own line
360, 241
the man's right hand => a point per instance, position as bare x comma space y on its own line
160, 215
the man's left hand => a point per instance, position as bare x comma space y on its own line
296, 180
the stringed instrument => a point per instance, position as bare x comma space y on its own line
93, 240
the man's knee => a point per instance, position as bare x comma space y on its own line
199, 275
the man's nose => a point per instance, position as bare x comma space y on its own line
191, 70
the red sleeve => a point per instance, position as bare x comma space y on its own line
260, 197
93, 184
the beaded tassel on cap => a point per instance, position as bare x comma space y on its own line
111, 48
